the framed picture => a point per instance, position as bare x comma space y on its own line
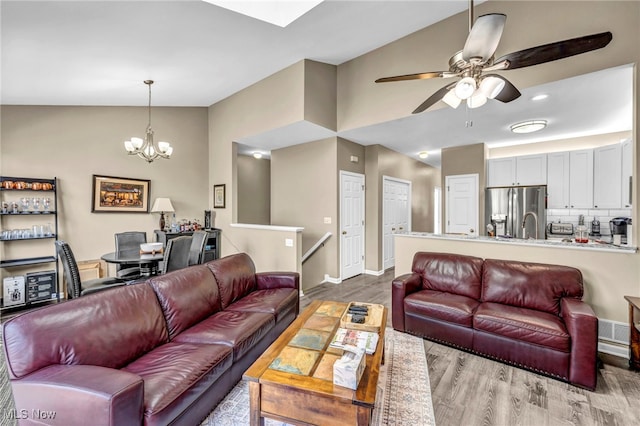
120, 195
218, 196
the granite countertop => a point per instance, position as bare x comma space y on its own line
556, 243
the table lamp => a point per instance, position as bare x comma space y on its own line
162, 205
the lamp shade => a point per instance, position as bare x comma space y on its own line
162, 205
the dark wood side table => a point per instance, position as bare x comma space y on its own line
634, 331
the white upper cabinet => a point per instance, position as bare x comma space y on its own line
607, 177
558, 180
531, 169
501, 172
581, 179
517, 171
627, 172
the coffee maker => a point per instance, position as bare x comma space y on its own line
618, 226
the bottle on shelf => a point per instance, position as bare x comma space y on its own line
595, 227
174, 224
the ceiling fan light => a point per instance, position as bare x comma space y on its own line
451, 99
477, 100
465, 88
529, 126
492, 86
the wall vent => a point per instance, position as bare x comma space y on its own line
613, 331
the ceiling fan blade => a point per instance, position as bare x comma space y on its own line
508, 93
419, 76
431, 100
554, 51
484, 37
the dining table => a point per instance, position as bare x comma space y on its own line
148, 261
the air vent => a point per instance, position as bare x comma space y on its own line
613, 331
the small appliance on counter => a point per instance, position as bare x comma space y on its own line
559, 230
618, 226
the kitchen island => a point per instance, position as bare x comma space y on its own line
609, 272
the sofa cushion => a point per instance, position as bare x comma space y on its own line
276, 301
453, 273
526, 325
530, 285
187, 296
175, 375
108, 329
443, 306
238, 330
236, 277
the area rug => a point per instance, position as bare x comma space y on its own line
404, 393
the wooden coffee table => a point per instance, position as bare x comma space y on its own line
293, 380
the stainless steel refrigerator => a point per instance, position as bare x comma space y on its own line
507, 208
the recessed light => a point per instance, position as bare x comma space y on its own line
529, 126
540, 97
423, 154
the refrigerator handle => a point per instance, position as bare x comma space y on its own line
510, 226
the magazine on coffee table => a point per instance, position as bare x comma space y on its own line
366, 340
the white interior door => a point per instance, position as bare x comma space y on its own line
351, 224
462, 202
396, 215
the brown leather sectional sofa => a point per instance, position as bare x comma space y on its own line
161, 352
525, 314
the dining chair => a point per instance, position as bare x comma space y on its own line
176, 254
129, 240
76, 287
198, 244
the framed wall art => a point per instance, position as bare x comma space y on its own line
120, 195
219, 196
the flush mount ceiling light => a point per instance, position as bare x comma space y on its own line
529, 126
423, 154
277, 12
147, 149
257, 155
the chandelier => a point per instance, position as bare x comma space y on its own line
147, 149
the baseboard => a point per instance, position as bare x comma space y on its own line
332, 280
375, 273
611, 349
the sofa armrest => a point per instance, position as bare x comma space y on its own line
269, 280
582, 325
79, 394
401, 287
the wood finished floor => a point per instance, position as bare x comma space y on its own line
470, 390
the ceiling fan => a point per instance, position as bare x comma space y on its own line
477, 58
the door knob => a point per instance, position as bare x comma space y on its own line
471, 230
344, 232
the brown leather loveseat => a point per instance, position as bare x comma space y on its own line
161, 352
525, 314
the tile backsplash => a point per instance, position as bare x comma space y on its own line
572, 216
